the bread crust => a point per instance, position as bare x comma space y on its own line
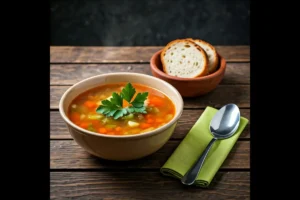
212, 67
205, 70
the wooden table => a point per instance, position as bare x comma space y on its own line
77, 175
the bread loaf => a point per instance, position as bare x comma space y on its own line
213, 60
184, 58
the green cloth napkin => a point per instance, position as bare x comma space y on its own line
194, 144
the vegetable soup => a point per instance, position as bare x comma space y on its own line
121, 109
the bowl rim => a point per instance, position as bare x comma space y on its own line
154, 67
140, 135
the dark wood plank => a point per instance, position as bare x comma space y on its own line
58, 129
71, 54
144, 185
223, 94
66, 154
69, 74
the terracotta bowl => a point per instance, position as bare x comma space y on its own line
116, 147
189, 87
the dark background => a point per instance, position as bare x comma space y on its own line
148, 22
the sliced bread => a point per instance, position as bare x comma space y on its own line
213, 60
183, 58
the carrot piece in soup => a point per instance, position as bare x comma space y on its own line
125, 104
102, 130
159, 120
156, 101
118, 129
144, 125
90, 104
150, 120
95, 123
75, 117
84, 125
108, 128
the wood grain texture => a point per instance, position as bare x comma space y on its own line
69, 74
58, 129
66, 154
223, 94
81, 54
75, 174
144, 186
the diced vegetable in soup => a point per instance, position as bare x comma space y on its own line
121, 109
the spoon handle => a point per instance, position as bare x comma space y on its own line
190, 177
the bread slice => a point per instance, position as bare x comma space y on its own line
183, 58
213, 60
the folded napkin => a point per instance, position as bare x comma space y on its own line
194, 144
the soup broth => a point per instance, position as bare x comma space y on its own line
82, 111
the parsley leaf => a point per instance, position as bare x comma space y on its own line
107, 108
128, 92
138, 102
114, 106
116, 100
137, 110
120, 113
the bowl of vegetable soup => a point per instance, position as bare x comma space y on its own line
121, 116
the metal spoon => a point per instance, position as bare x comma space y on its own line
222, 126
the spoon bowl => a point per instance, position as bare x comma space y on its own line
223, 125
225, 122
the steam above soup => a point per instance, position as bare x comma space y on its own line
121, 109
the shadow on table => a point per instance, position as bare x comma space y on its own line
151, 162
145, 172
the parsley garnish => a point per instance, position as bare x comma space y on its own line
114, 106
